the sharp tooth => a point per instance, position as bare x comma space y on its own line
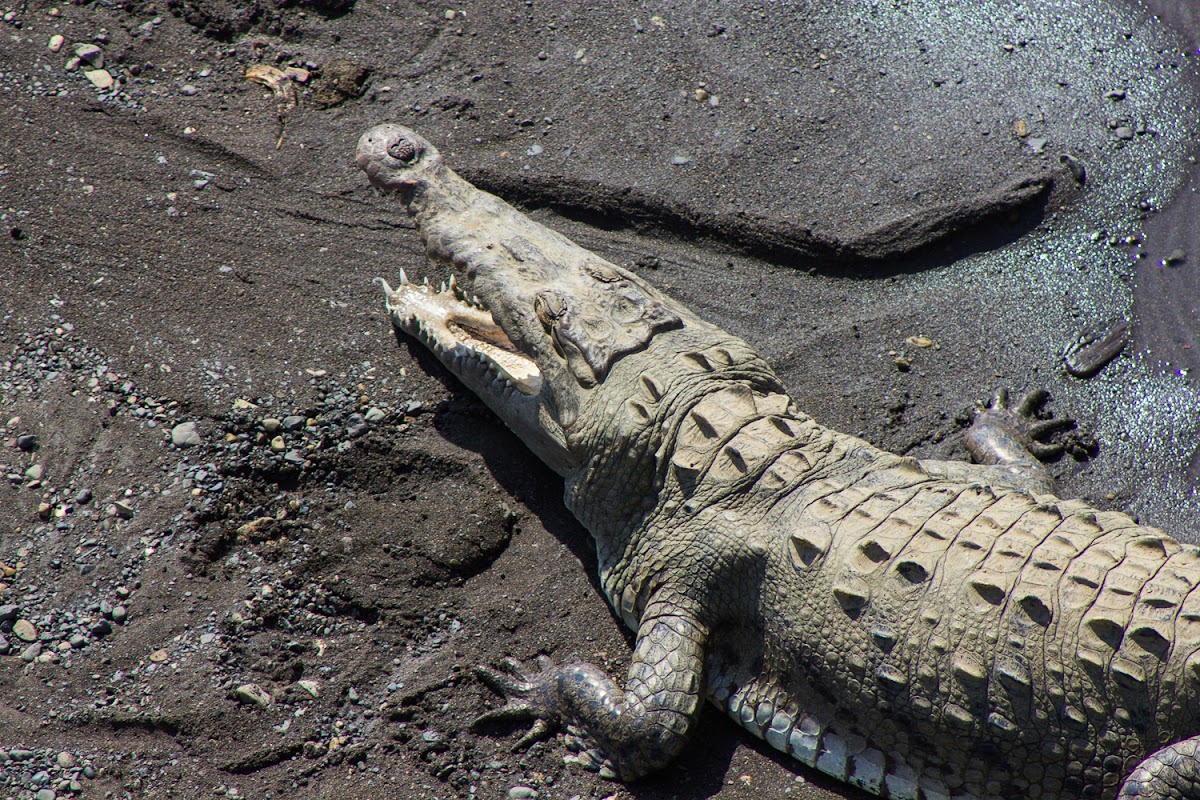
425, 281
442, 287
453, 285
403, 277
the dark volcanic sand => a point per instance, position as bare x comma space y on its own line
826, 184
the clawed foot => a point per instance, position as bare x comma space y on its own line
526, 699
530, 696
1043, 435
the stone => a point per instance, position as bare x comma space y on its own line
185, 434
374, 415
252, 694
56, 43
271, 425
24, 630
35, 472
188, 90
30, 654
294, 422
522, 793
27, 443
90, 54
159, 656
66, 760
101, 78
278, 445
122, 509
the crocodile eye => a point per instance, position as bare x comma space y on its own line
406, 151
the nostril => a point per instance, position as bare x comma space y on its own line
404, 150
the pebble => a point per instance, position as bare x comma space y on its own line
56, 43
1177, 256
252, 694
91, 54
8, 613
122, 509
1115, 95
66, 760
45, 793
30, 654
83, 496
159, 656
120, 614
27, 443
24, 630
294, 422
271, 425
278, 445
522, 793
100, 78
1124, 132
35, 472
374, 415
680, 159
185, 434
355, 425
188, 90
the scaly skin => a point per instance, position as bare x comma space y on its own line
921, 629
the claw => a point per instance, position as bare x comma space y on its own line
511, 680
1031, 402
541, 729
1040, 429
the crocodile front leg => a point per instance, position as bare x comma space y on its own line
1007, 445
1172, 773
623, 733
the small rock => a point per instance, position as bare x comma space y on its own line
188, 90
101, 78
101, 629
122, 509
1124, 132
271, 425
1115, 95
310, 686
294, 422
185, 434
374, 415
56, 43
24, 630
90, 54
1177, 256
45, 793
30, 654
5, 647
66, 760
83, 496
278, 445
120, 614
1037, 143
8, 613
27, 443
20, 754
252, 694
159, 656
35, 472
680, 159
355, 425
1076, 167
522, 793
535, 150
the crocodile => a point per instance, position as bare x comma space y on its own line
914, 627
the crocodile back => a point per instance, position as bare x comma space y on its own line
962, 638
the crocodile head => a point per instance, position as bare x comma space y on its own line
545, 326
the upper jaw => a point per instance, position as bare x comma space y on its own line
466, 339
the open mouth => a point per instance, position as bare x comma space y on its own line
461, 332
